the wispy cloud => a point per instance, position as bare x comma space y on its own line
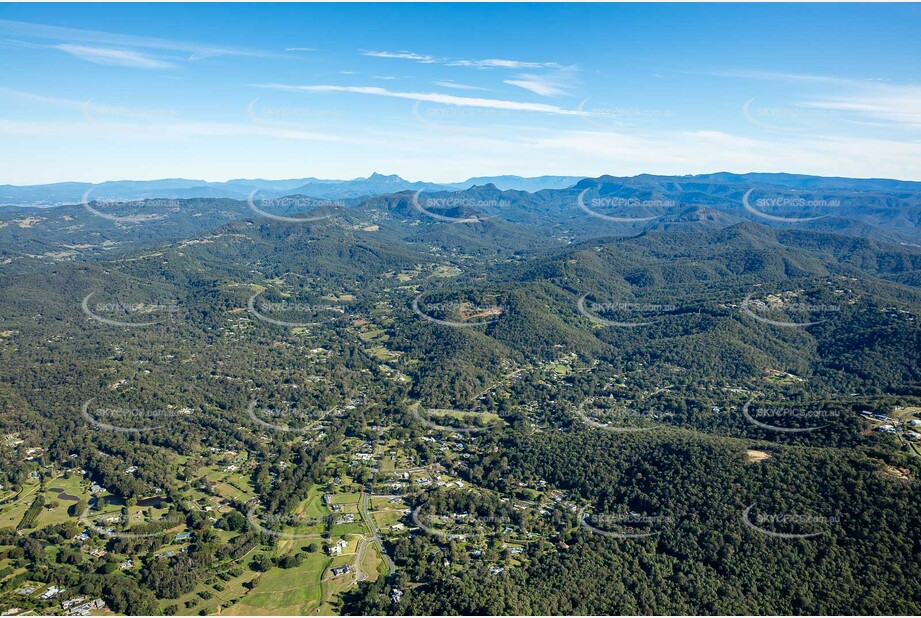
457, 86
781, 76
401, 55
546, 86
895, 105
114, 57
499, 63
88, 107
434, 97
489, 63
299, 49
93, 38
874, 98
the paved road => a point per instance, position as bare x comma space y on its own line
363, 508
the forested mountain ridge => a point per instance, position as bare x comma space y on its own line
479, 402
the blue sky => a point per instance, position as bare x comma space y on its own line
444, 92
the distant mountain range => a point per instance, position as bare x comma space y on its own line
507, 220
380, 184
181, 188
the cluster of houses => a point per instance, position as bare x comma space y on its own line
77, 606
81, 607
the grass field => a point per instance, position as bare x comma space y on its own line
286, 592
484, 417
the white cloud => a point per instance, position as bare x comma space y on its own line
114, 57
872, 98
299, 49
489, 63
96, 38
401, 55
88, 107
434, 97
900, 105
457, 86
499, 63
539, 84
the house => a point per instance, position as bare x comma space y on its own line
127, 564
52, 592
914, 422
397, 527
70, 602
182, 536
886, 428
913, 435
86, 608
335, 550
495, 569
396, 595
341, 570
